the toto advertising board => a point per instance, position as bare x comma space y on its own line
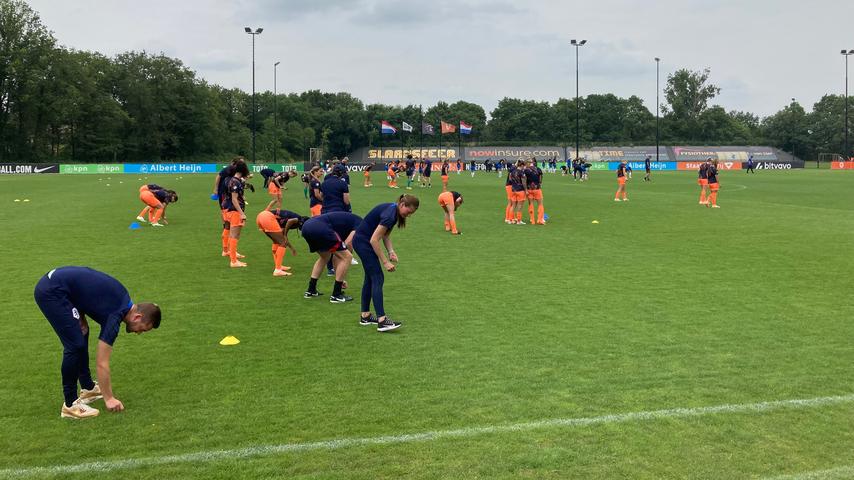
28, 168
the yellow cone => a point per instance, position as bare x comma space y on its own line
26, 199
595, 221
229, 340
17, 199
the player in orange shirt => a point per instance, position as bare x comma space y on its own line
392, 174
534, 179
275, 186
450, 202
621, 182
276, 224
368, 169
518, 192
233, 206
445, 167
156, 199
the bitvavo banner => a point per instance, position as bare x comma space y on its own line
28, 168
91, 168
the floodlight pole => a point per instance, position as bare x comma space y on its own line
253, 34
275, 113
657, 129
793, 129
577, 44
846, 152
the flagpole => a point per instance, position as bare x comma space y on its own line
441, 134
382, 157
460, 144
420, 135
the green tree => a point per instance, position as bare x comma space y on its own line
688, 94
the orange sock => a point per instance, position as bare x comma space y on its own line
157, 213
453, 226
518, 216
703, 196
278, 256
531, 212
232, 249
541, 213
224, 240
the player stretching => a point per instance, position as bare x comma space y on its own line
450, 202
66, 296
276, 224
376, 228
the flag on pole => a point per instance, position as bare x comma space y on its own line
427, 129
465, 129
387, 129
447, 127
406, 127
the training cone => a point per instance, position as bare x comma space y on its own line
17, 199
545, 216
229, 340
595, 221
134, 226
26, 199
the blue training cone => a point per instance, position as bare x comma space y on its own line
134, 226
545, 216
214, 196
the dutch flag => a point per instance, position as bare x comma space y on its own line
465, 129
386, 128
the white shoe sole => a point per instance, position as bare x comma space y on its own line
88, 400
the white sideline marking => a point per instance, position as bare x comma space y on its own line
839, 472
271, 450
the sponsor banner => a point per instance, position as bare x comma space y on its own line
91, 168
155, 168
618, 154
599, 166
696, 165
775, 165
725, 153
276, 167
640, 165
842, 165
28, 168
481, 154
390, 154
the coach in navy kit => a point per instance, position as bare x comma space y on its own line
66, 296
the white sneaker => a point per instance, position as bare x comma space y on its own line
353, 261
520, 222
78, 411
89, 396
141, 219
156, 224
617, 200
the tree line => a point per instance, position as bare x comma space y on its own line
65, 105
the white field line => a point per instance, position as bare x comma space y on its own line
273, 450
832, 473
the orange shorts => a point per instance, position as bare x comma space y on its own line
621, 180
446, 199
143, 188
702, 181
367, 173
535, 194
714, 187
509, 190
391, 173
267, 222
272, 189
315, 210
224, 213
233, 218
149, 199
517, 196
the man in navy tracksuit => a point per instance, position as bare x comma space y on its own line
66, 296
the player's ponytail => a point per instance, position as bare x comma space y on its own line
410, 201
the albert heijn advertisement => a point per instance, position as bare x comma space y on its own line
28, 168
181, 168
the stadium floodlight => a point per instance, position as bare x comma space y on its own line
577, 44
253, 34
846, 152
275, 113
657, 129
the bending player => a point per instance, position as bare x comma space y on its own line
450, 202
276, 224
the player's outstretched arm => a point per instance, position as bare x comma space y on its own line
104, 352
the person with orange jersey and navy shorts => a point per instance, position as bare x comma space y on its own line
518, 192
714, 186
331, 236
156, 199
621, 182
534, 179
703, 180
315, 194
276, 224
445, 167
450, 202
508, 210
368, 182
275, 185
233, 206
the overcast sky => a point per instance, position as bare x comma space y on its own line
760, 52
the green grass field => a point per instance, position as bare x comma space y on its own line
663, 304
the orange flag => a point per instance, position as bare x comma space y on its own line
448, 127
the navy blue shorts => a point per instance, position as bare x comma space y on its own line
320, 236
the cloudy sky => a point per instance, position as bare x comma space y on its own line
761, 53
